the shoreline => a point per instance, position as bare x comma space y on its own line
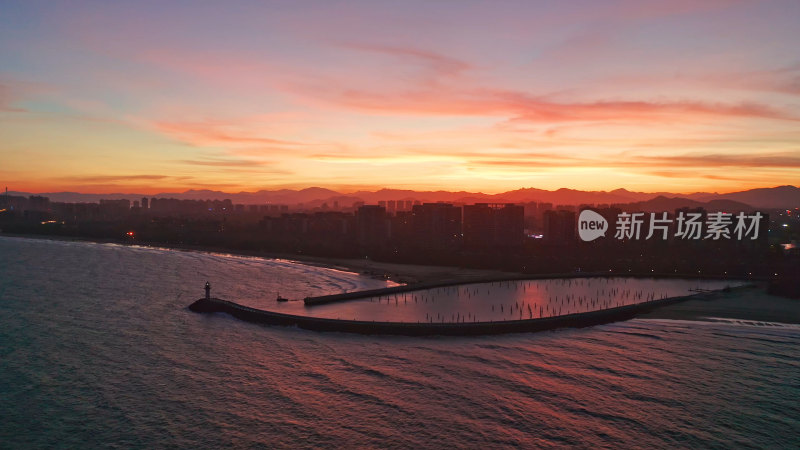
750, 304
395, 272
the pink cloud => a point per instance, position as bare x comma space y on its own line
520, 106
692, 162
437, 63
782, 80
13, 92
212, 133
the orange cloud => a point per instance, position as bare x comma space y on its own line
239, 165
782, 161
117, 178
692, 174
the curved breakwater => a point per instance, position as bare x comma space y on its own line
577, 320
484, 300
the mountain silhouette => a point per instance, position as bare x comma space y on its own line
777, 197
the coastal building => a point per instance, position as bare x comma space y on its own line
436, 225
494, 225
114, 209
559, 226
372, 226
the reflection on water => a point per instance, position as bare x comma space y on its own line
506, 300
98, 349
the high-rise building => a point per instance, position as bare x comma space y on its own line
114, 209
494, 225
436, 225
559, 226
372, 226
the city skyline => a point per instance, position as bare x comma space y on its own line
647, 96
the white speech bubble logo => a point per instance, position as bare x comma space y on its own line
591, 225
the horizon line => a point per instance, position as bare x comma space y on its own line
378, 189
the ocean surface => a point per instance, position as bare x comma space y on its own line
98, 349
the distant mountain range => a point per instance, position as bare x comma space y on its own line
777, 197
662, 203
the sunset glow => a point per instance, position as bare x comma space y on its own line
676, 96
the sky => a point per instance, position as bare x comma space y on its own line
152, 96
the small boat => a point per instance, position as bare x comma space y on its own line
282, 299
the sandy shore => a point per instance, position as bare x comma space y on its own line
750, 304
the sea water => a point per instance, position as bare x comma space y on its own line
97, 348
